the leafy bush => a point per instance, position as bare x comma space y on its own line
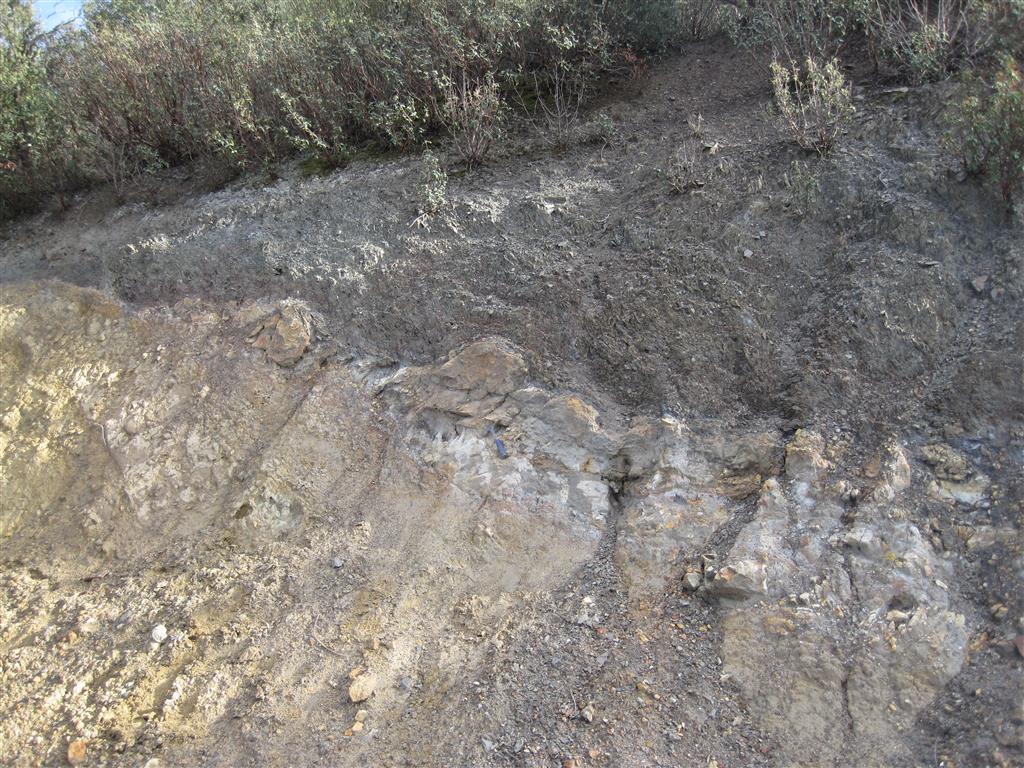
923, 39
599, 130
151, 83
559, 96
433, 190
815, 102
577, 53
473, 115
1004, 20
987, 129
654, 25
927, 40
702, 19
795, 30
31, 126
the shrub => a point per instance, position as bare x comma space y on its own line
803, 188
647, 25
987, 129
814, 102
689, 168
433, 190
577, 52
928, 39
152, 83
473, 115
921, 38
795, 30
696, 125
560, 93
31, 126
1004, 20
599, 130
701, 19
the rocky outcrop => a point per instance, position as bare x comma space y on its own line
285, 335
833, 621
287, 526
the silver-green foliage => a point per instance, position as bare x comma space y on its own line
814, 101
150, 83
433, 189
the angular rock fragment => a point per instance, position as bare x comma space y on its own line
285, 335
362, 688
946, 462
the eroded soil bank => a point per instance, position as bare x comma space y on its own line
583, 473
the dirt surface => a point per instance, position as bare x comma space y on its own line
583, 472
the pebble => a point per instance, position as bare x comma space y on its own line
487, 744
362, 688
587, 713
337, 562
361, 716
77, 751
159, 634
405, 683
747, 253
692, 580
89, 626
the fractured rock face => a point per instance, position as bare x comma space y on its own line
159, 434
956, 480
900, 673
748, 461
483, 368
805, 456
786, 543
671, 507
553, 454
891, 472
789, 667
286, 334
472, 384
832, 704
266, 512
279, 527
946, 463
